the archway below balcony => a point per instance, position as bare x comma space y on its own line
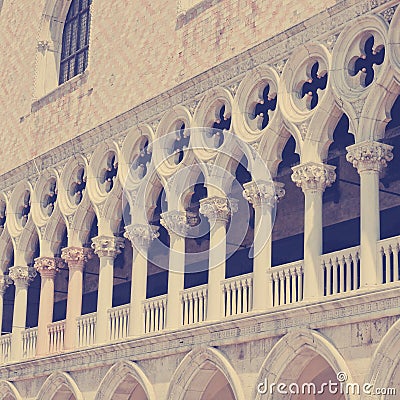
125, 381
59, 386
205, 374
301, 364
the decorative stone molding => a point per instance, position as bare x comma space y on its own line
263, 193
107, 246
175, 222
47, 266
218, 208
22, 275
141, 235
369, 156
313, 176
5, 282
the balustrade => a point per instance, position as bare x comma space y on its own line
238, 294
194, 304
86, 325
287, 283
155, 313
341, 271
119, 322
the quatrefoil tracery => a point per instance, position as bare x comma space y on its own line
180, 144
221, 124
142, 161
364, 64
316, 81
3, 215
264, 107
25, 208
110, 173
50, 197
78, 186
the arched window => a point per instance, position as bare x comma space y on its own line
75, 43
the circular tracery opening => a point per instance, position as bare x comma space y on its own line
24, 208
142, 160
109, 173
49, 197
78, 186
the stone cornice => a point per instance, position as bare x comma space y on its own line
343, 309
271, 51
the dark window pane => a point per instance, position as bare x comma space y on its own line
74, 53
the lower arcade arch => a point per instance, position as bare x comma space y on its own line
59, 386
205, 374
303, 365
125, 381
8, 391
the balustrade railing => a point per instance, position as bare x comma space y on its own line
287, 282
29, 342
194, 304
56, 336
86, 325
119, 322
388, 259
155, 313
237, 294
341, 271
5, 348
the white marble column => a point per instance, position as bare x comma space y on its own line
21, 276
176, 224
47, 268
107, 248
76, 258
369, 158
263, 195
218, 210
5, 282
141, 236
313, 178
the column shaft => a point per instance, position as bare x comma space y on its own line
21, 277
75, 257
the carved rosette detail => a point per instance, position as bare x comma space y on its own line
313, 176
175, 222
218, 208
5, 282
22, 275
107, 246
47, 266
141, 235
260, 193
76, 256
369, 156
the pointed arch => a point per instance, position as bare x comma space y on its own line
385, 359
118, 374
59, 383
192, 364
8, 389
292, 345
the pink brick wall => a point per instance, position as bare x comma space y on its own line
136, 53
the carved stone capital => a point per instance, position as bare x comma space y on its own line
22, 276
218, 208
141, 235
107, 246
47, 266
5, 282
76, 257
369, 156
313, 176
175, 222
266, 193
